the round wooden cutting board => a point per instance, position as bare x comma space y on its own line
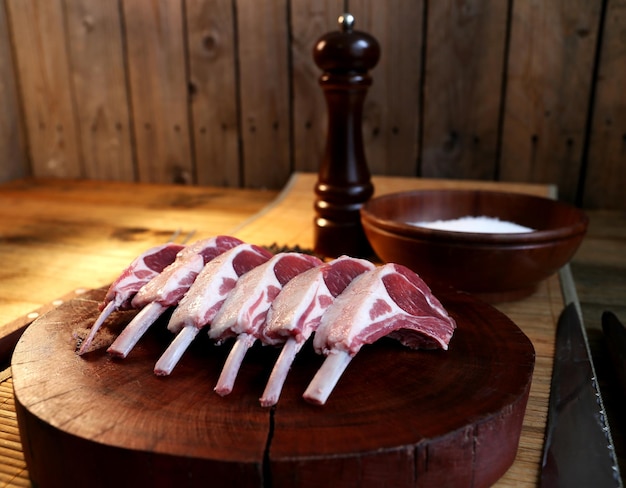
397, 417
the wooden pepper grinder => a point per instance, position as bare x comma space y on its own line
344, 183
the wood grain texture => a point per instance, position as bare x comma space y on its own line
157, 74
464, 67
69, 235
225, 92
537, 315
13, 150
264, 69
606, 161
61, 250
214, 91
438, 459
310, 20
40, 44
549, 77
391, 121
94, 32
471, 401
173, 454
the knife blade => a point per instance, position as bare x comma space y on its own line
578, 450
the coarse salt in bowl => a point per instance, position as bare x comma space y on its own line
497, 245
481, 224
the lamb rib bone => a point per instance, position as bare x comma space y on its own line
166, 289
297, 311
245, 309
389, 301
205, 297
141, 270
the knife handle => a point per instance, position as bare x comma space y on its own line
615, 339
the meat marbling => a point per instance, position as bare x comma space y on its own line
245, 309
166, 289
121, 292
297, 310
244, 291
205, 297
388, 301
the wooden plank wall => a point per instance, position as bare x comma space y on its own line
225, 92
13, 160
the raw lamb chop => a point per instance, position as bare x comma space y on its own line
297, 310
166, 289
141, 270
244, 311
389, 301
205, 297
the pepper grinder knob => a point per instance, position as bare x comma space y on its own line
344, 184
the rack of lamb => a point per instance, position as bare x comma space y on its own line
243, 291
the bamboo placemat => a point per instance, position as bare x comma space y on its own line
12, 465
288, 221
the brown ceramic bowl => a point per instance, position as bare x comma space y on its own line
494, 266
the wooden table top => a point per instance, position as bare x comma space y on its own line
57, 237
